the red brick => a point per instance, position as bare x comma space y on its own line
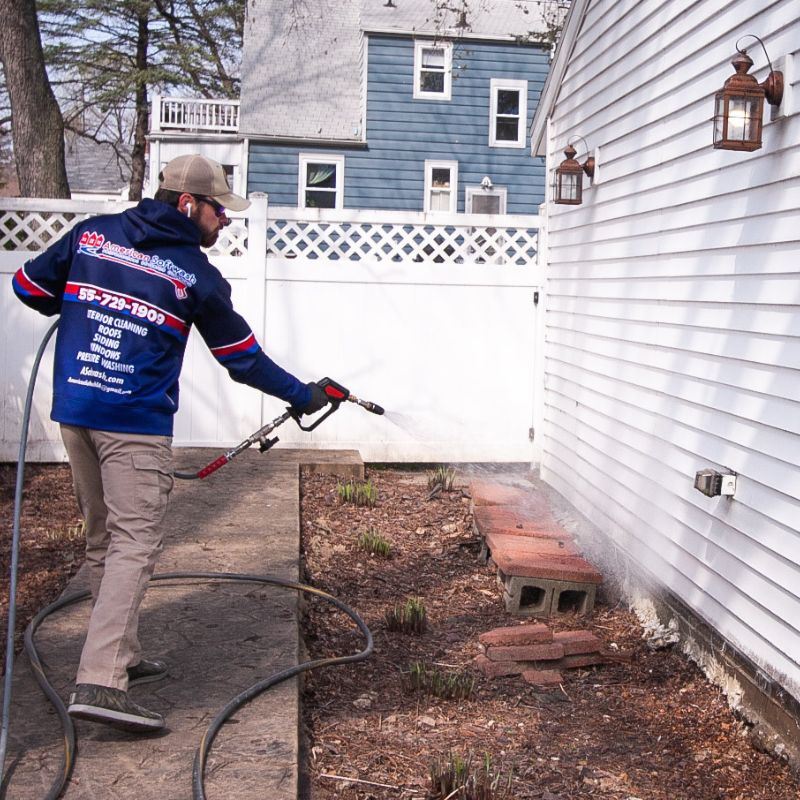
534, 633
515, 521
578, 642
526, 652
487, 493
499, 669
570, 569
543, 677
617, 656
530, 544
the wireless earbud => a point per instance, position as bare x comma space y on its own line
188, 209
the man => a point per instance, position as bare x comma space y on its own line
129, 287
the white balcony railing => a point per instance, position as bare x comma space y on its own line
192, 114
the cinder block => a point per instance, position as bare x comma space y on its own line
530, 633
547, 678
526, 599
484, 554
499, 669
539, 597
578, 642
573, 598
545, 651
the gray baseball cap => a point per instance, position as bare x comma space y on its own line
202, 176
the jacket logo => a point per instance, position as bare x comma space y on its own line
95, 245
91, 242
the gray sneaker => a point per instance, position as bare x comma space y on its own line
112, 707
146, 671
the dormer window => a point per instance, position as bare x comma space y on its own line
433, 70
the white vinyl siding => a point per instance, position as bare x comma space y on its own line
433, 70
508, 112
672, 342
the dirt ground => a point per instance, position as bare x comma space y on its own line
649, 728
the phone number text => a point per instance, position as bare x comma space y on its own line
119, 303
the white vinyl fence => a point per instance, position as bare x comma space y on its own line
431, 316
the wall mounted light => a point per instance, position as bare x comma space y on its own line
713, 484
739, 105
568, 188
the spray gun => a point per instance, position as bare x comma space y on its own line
336, 394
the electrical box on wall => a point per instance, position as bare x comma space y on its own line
713, 484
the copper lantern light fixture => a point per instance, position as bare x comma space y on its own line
739, 105
568, 188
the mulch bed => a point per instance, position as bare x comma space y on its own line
51, 540
650, 728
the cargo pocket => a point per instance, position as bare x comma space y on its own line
152, 484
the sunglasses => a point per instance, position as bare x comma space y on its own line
219, 209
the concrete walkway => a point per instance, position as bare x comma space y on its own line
219, 639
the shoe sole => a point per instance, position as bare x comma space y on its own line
119, 719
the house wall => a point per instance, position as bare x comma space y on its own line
403, 132
672, 302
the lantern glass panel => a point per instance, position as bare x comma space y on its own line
742, 119
568, 187
719, 119
737, 121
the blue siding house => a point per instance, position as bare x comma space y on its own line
372, 105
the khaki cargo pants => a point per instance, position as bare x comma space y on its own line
122, 484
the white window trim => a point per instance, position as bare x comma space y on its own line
319, 158
495, 191
419, 45
516, 85
453, 167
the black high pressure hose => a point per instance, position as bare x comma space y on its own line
68, 756
201, 754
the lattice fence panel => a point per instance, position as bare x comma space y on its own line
36, 230
232, 241
397, 242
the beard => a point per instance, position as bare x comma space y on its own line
208, 239
208, 236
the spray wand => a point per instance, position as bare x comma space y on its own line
336, 394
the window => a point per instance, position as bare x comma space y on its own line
508, 114
321, 181
441, 186
433, 70
480, 200
486, 245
